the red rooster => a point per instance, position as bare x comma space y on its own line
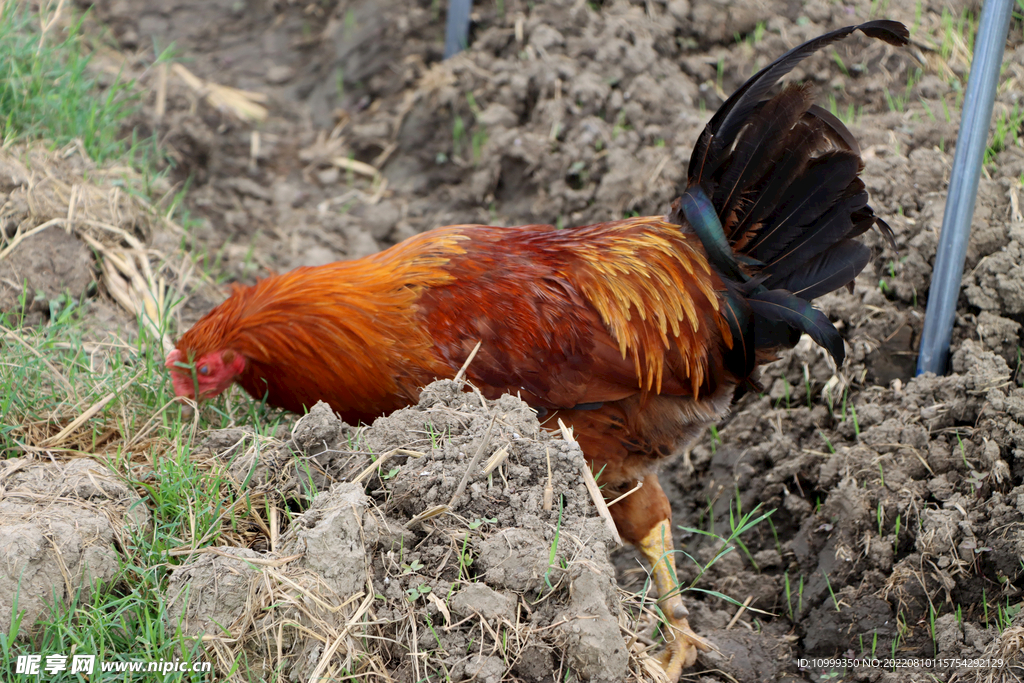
637, 332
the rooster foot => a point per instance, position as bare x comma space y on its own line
682, 644
681, 651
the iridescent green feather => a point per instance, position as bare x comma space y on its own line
700, 213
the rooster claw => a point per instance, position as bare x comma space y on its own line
681, 652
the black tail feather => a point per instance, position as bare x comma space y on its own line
732, 115
807, 199
782, 177
758, 145
828, 271
796, 153
841, 135
778, 305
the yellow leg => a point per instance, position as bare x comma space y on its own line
683, 644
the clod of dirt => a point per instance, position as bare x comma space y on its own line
317, 429
209, 594
535, 664
62, 524
267, 464
747, 656
493, 558
46, 265
486, 669
241, 594
997, 284
999, 334
515, 553
478, 598
83, 209
329, 535
594, 642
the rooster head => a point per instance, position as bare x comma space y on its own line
205, 376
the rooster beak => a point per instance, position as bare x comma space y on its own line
173, 358
183, 385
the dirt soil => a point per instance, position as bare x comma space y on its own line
63, 524
898, 523
497, 560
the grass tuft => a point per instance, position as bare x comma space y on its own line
47, 91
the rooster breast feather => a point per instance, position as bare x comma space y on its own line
581, 316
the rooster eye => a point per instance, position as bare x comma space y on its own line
204, 370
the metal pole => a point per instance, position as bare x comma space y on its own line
963, 186
456, 30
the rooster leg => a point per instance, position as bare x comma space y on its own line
645, 520
681, 651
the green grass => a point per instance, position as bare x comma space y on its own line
739, 524
828, 442
48, 376
897, 100
1006, 133
553, 551
55, 372
46, 90
789, 593
828, 584
117, 624
958, 29
458, 135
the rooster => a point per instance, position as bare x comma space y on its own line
638, 333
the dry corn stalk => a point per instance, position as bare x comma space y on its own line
244, 104
130, 280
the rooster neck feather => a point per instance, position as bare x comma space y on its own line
343, 333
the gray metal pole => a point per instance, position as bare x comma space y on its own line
456, 30
963, 186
